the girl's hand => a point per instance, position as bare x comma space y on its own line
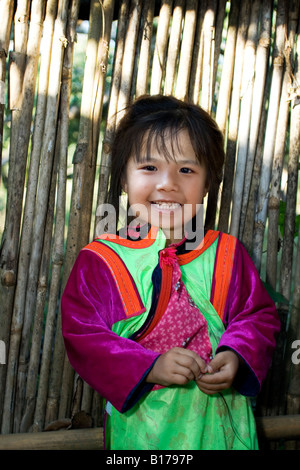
176, 366
221, 373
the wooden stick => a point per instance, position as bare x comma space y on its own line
174, 46
112, 112
6, 14
219, 27
197, 60
244, 120
228, 67
277, 74
58, 238
261, 68
208, 53
129, 55
22, 142
28, 373
187, 45
145, 50
96, 116
289, 235
76, 439
269, 427
279, 153
292, 394
161, 43
78, 231
16, 178
234, 118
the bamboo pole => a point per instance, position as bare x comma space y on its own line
208, 54
234, 118
161, 43
17, 65
43, 190
47, 158
220, 18
129, 55
279, 152
76, 439
59, 400
6, 14
37, 15
96, 116
16, 178
58, 237
197, 60
289, 234
112, 111
261, 68
291, 197
187, 45
99, 88
244, 119
277, 74
174, 46
84, 166
81, 156
269, 428
25, 399
293, 398
145, 51
228, 67
26, 236
213, 199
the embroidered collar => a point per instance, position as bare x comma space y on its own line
144, 236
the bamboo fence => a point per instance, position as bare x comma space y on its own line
240, 62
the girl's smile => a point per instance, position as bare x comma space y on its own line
167, 192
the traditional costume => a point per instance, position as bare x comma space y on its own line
129, 300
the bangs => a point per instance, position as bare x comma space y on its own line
161, 135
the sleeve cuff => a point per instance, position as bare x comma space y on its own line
245, 382
138, 391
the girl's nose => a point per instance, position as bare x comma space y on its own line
167, 182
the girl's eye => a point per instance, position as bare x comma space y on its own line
149, 168
186, 170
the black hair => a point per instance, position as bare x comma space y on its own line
155, 117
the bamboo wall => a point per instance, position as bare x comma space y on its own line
239, 61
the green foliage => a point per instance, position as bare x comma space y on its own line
281, 221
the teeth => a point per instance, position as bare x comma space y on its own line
167, 205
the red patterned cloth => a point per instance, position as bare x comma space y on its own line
182, 324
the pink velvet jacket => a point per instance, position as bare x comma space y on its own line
116, 367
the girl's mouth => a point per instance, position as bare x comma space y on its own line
164, 205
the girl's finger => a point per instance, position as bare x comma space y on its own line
195, 357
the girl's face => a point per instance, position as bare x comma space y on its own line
165, 193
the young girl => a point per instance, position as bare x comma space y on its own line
168, 322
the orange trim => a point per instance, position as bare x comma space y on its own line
165, 292
124, 282
144, 243
207, 241
223, 272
